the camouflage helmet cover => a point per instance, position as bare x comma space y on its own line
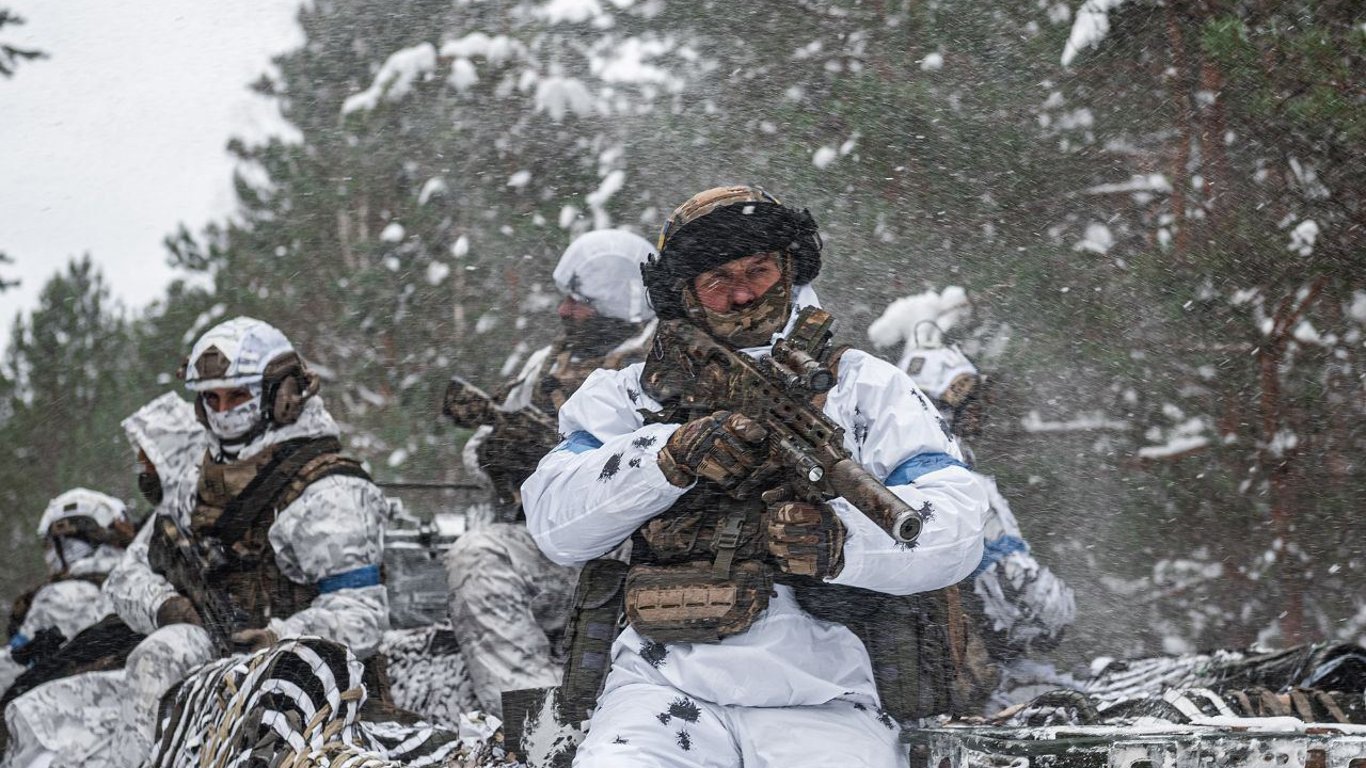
234, 353
103, 509
720, 225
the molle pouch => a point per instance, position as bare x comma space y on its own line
691, 603
593, 626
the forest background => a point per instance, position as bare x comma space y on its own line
1157, 210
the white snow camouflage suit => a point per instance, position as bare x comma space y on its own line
791, 690
71, 604
107, 718
333, 529
508, 603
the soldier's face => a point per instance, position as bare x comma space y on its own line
222, 400
738, 283
573, 311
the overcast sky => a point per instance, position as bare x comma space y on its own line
120, 135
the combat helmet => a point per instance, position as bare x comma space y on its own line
720, 225
250, 353
78, 522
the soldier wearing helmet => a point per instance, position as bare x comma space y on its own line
1020, 606
289, 527
69, 722
780, 681
508, 603
84, 534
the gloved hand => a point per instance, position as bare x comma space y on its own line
807, 539
178, 610
254, 639
724, 447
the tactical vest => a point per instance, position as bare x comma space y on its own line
236, 506
701, 572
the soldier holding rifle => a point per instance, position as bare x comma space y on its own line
508, 604
780, 497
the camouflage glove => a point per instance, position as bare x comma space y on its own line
806, 539
724, 447
178, 610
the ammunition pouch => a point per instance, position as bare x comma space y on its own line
927, 655
692, 603
595, 621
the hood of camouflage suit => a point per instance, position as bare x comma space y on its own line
602, 269
173, 439
314, 421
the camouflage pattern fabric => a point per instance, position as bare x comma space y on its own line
508, 605
428, 674
103, 719
335, 526
301, 704
167, 430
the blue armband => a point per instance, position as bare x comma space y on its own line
579, 442
18, 641
912, 469
364, 576
997, 550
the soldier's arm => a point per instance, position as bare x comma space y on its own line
134, 590
603, 481
895, 433
331, 537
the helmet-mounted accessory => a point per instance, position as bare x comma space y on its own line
247, 353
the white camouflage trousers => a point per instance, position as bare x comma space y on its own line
507, 605
640, 724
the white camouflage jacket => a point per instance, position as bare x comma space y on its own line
332, 536
70, 606
603, 482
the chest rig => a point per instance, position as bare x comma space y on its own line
235, 508
702, 571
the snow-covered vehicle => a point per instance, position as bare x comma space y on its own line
1298, 708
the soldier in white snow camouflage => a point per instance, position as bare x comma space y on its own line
84, 534
107, 718
301, 556
1024, 606
748, 674
508, 603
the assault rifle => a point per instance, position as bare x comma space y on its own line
174, 555
776, 392
469, 406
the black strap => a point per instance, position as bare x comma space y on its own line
247, 507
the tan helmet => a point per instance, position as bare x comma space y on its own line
720, 225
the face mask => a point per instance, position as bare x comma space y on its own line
752, 326
71, 549
235, 422
597, 335
149, 484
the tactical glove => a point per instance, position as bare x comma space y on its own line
178, 610
806, 539
724, 447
